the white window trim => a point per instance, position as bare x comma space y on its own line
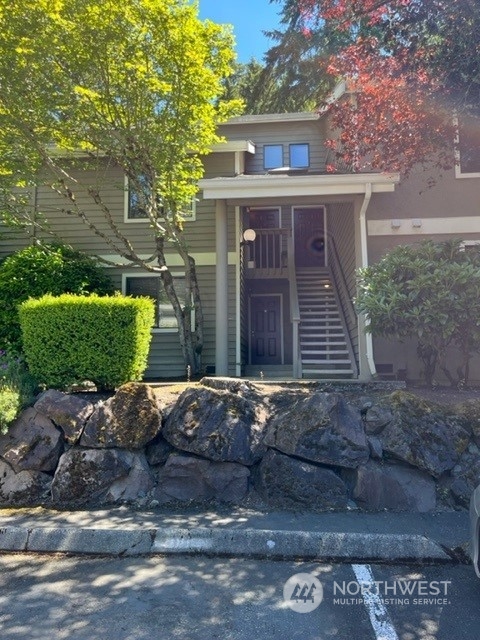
148, 274
126, 208
458, 161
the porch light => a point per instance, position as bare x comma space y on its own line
249, 235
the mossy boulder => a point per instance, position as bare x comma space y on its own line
288, 483
218, 425
322, 428
128, 420
423, 434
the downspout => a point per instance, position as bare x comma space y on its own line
364, 252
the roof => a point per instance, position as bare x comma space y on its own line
274, 117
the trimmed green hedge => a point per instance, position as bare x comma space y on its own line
70, 339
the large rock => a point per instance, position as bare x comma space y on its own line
234, 385
376, 418
128, 420
464, 477
320, 428
425, 435
23, 488
469, 410
218, 425
392, 487
32, 443
86, 475
287, 483
158, 451
189, 478
69, 412
136, 485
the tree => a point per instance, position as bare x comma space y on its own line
409, 65
135, 85
37, 270
428, 291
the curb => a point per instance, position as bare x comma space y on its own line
258, 543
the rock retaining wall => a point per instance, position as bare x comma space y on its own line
302, 448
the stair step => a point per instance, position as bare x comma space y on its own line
319, 352
334, 322
329, 372
323, 343
327, 361
317, 304
326, 315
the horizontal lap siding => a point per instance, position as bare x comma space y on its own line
11, 240
199, 234
165, 359
311, 132
341, 227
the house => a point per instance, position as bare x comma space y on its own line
277, 240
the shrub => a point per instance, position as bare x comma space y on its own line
429, 291
37, 270
17, 389
70, 339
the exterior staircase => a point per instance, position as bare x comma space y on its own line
325, 346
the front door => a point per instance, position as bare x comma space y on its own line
309, 233
266, 329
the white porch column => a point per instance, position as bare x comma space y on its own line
221, 289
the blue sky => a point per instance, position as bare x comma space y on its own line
249, 19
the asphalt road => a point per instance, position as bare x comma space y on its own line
190, 598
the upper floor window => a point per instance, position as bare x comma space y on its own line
151, 286
272, 156
299, 156
136, 201
468, 147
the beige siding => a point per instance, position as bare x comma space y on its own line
165, 360
311, 132
341, 231
219, 164
413, 198
11, 240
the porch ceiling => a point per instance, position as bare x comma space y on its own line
281, 185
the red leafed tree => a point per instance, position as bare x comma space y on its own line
409, 66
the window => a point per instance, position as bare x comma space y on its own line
136, 200
152, 287
272, 156
135, 203
299, 156
468, 147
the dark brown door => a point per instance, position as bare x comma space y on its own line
266, 330
309, 230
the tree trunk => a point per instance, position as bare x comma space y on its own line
191, 338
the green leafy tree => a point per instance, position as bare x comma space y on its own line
37, 270
429, 291
135, 85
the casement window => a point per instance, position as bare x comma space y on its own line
272, 156
468, 147
135, 203
151, 286
298, 156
